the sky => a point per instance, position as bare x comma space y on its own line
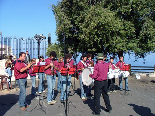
25, 18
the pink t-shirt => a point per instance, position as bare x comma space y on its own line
100, 71
50, 71
18, 66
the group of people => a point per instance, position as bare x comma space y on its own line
53, 66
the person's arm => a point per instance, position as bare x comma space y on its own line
25, 68
95, 72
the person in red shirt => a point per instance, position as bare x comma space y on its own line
111, 82
41, 76
60, 65
21, 74
90, 62
80, 67
33, 76
50, 71
100, 84
120, 65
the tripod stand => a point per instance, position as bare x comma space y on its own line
67, 72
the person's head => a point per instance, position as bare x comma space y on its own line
121, 58
84, 57
60, 59
89, 56
67, 57
111, 59
41, 58
53, 55
100, 56
22, 56
10, 57
33, 61
27, 52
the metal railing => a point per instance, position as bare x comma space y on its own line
143, 69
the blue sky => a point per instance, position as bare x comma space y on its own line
25, 18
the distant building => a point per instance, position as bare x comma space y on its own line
13, 46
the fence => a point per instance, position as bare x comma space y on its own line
143, 69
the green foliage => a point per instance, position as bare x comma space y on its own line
109, 26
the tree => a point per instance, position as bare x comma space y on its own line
109, 26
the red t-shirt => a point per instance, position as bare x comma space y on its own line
18, 66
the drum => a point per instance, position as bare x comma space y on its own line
85, 77
125, 74
110, 74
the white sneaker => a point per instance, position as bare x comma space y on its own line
83, 98
51, 102
44, 91
39, 92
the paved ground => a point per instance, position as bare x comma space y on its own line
140, 101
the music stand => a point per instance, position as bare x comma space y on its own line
67, 71
39, 69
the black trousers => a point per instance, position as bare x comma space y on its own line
111, 84
101, 87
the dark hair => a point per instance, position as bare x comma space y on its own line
89, 55
121, 56
41, 57
20, 54
111, 57
83, 55
53, 53
69, 55
26, 51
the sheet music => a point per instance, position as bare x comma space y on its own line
42, 63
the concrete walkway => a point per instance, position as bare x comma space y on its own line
140, 101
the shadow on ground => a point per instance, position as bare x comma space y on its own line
6, 102
141, 110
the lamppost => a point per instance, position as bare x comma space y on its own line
39, 38
1, 45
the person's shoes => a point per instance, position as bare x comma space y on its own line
114, 91
26, 106
51, 102
44, 91
108, 110
23, 108
111, 91
84, 98
108, 93
96, 114
128, 90
39, 92
62, 101
121, 89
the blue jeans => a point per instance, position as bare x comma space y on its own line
81, 87
63, 89
51, 86
9, 71
126, 83
22, 94
33, 78
59, 85
41, 82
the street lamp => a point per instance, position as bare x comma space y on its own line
39, 38
1, 44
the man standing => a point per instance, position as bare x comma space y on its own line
27, 59
100, 84
50, 71
20, 72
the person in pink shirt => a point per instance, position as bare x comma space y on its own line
111, 82
33, 76
80, 67
120, 65
41, 76
60, 65
90, 62
21, 74
100, 84
50, 71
